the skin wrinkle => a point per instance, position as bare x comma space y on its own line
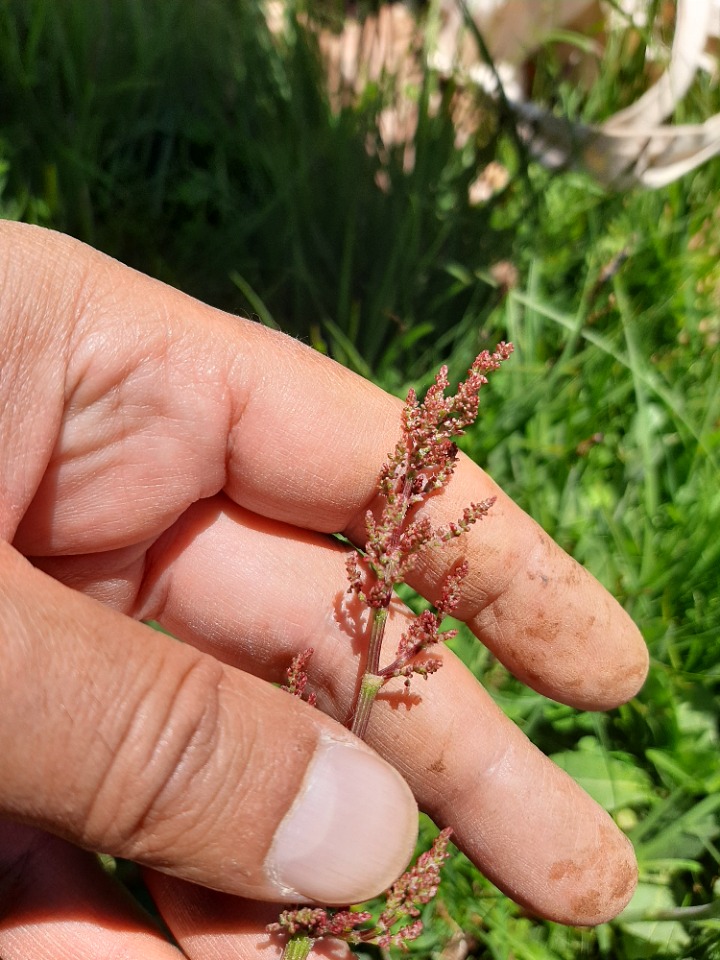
114, 753
241, 794
130, 375
23, 443
98, 479
231, 787
502, 763
240, 399
167, 751
236, 794
111, 577
90, 294
255, 756
152, 590
196, 752
90, 338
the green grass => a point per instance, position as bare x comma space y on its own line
211, 158
186, 141
606, 430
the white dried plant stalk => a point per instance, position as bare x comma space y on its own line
635, 146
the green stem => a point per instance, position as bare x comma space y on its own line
298, 947
369, 688
380, 615
703, 911
371, 681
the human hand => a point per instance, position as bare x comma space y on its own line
163, 460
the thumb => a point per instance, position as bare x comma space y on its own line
126, 741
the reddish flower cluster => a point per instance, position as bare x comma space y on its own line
416, 887
316, 922
297, 677
423, 462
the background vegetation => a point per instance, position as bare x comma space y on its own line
185, 139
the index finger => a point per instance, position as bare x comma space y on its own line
308, 451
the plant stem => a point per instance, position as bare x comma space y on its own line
298, 947
703, 911
380, 616
371, 681
369, 687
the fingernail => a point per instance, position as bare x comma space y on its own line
350, 832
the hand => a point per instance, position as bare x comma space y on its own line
162, 460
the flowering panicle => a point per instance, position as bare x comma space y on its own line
297, 677
398, 921
422, 463
471, 514
416, 887
316, 922
423, 632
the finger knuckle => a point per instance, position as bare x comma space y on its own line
151, 791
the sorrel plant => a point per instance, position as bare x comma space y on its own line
421, 465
